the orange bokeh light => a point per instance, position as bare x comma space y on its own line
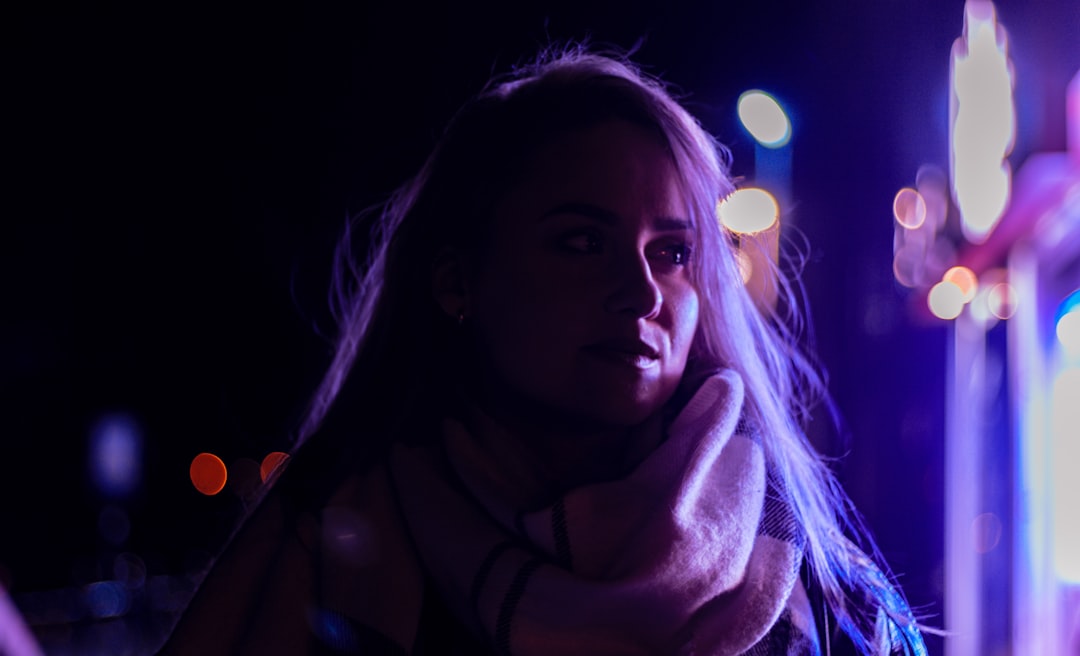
208, 473
271, 463
965, 279
909, 208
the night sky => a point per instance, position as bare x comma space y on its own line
177, 178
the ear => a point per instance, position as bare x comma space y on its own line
448, 284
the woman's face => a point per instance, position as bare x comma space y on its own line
582, 301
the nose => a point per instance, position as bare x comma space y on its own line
635, 290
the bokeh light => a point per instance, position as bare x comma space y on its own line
986, 530
983, 122
908, 265
106, 599
1068, 332
945, 300
115, 455
764, 119
1002, 300
965, 279
1068, 325
933, 185
271, 464
748, 211
909, 208
208, 473
979, 307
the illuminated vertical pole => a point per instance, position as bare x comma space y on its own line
963, 460
1028, 581
1035, 618
981, 134
1065, 438
963, 465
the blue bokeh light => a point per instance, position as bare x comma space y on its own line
115, 456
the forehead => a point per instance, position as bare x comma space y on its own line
615, 164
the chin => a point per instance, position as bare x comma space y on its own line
629, 409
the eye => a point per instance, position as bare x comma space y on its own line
582, 241
676, 254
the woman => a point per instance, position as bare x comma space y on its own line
555, 421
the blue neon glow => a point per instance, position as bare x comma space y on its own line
116, 455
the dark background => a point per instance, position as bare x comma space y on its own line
177, 177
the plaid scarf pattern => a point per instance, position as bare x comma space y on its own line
694, 552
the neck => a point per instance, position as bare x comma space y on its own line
547, 455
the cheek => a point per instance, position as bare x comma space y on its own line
685, 312
531, 291
519, 314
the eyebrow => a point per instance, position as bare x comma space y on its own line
611, 218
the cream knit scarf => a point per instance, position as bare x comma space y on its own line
693, 552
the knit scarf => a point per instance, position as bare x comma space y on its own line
693, 552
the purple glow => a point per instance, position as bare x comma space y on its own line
115, 456
15, 637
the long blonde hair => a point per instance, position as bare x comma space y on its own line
390, 332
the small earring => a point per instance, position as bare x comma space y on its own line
461, 317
